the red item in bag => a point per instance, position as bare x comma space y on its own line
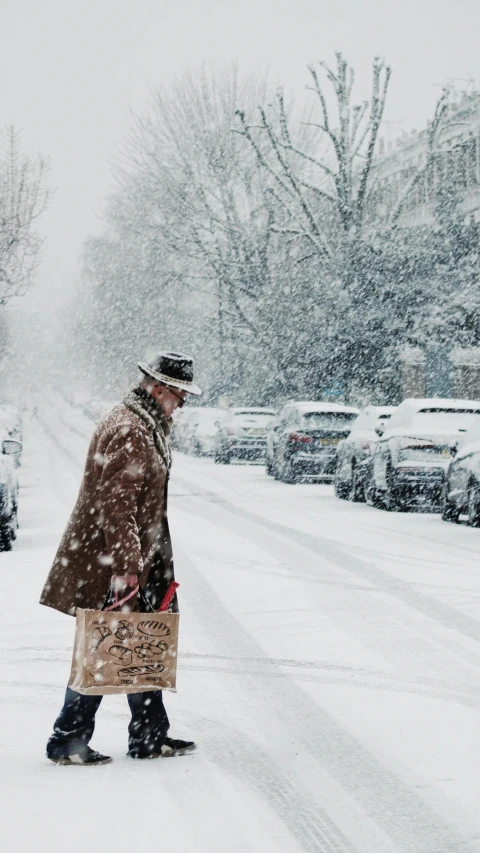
168, 597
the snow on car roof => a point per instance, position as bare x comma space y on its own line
324, 407
241, 410
378, 411
208, 412
410, 407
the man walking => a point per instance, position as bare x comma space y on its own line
118, 536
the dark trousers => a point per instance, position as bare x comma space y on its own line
75, 724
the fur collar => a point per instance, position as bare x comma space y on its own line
143, 404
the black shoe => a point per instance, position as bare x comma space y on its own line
86, 757
176, 747
168, 749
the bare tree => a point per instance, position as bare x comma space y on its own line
204, 197
24, 196
322, 189
331, 175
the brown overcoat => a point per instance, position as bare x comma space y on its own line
119, 522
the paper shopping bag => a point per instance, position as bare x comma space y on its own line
117, 652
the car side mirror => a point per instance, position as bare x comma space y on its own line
10, 447
454, 450
379, 431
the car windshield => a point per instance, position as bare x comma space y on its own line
445, 419
423, 452
259, 417
322, 420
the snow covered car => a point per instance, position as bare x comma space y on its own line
305, 439
354, 453
8, 493
461, 494
413, 454
243, 434
199, 437
11, 426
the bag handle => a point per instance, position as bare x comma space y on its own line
145, 603
118, 603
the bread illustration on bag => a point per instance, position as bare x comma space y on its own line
122, 653
99, 634
125, 630
150, 649
154, 628
146, 669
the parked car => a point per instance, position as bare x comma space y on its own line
8, 493
354, 453
461, 494
11, 426
199, 435
413, 454
303, 441
243, 434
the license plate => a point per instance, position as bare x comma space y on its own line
254, 431
329, 442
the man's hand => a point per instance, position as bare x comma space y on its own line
124, 583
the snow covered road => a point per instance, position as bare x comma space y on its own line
329, 670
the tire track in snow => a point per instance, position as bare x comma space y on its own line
236, 754
378, 792
329, 551
324, 673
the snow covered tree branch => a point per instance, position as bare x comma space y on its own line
24, 196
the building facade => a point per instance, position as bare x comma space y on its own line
456, 162
456, 158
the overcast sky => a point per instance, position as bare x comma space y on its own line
70, 69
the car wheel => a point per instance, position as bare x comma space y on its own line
6, 538
357, 492
450, 511
268, 467
275, 471
372, 495
14, 523
342, 490
289, 475
473, 506
395, 502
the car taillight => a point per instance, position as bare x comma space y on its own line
297, 436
